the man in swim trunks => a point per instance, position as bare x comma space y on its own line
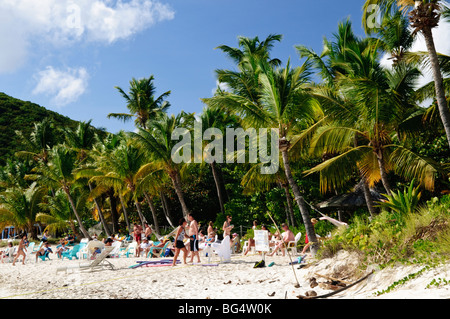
193, 235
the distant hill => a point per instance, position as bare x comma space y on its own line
20, 115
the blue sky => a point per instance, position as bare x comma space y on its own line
69, 55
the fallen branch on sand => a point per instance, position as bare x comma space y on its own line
336, 291
333, 279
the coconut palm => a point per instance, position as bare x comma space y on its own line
82, 140
118, 170
285, 104
253, 181
216, 118
20, 207
366, 112
424, 16
59, 173
41, 139
397, 38
142, 103
248, 58
57, 213
157, 143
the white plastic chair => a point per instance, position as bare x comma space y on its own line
292, 245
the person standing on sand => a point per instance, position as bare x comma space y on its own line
227, 227
137, 230
21, 250
193, 235
179, 244
148, 232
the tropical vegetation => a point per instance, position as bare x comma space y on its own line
343, 118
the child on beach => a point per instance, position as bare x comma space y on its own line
179, 244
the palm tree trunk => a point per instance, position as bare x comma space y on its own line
141, 216
114, 212
444, 111
153, 209
383, 173
218, 187
100, 214
285, 186
174, 176
80, 222
125, 213
166, 208
300, 201
367, 196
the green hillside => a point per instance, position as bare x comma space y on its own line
20, 115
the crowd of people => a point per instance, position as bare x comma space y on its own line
189, 239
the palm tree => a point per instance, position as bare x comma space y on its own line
248, 58
252, 47
118, 170
253, 181
82, 140
60, 174
363, 132
20, 207
424, 16
57, 213
216, 118
397, 38
285, 104
141, 102
42, 138
157, 143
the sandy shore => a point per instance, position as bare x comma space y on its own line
236, 280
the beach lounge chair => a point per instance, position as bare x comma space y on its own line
29, 249
292, 245
115, 252
87, 251
129, 250
45, 256
35, 249
98, 263
158, 251
71, 253
11, 254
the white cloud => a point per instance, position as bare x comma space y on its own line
67, 22
65, 86
441, 36
220, 85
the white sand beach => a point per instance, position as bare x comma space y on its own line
235, 280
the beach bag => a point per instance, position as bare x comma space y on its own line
260, 264
168, 253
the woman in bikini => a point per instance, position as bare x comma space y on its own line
21, 250
179, 244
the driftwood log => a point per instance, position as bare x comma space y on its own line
333, 279
337, 291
